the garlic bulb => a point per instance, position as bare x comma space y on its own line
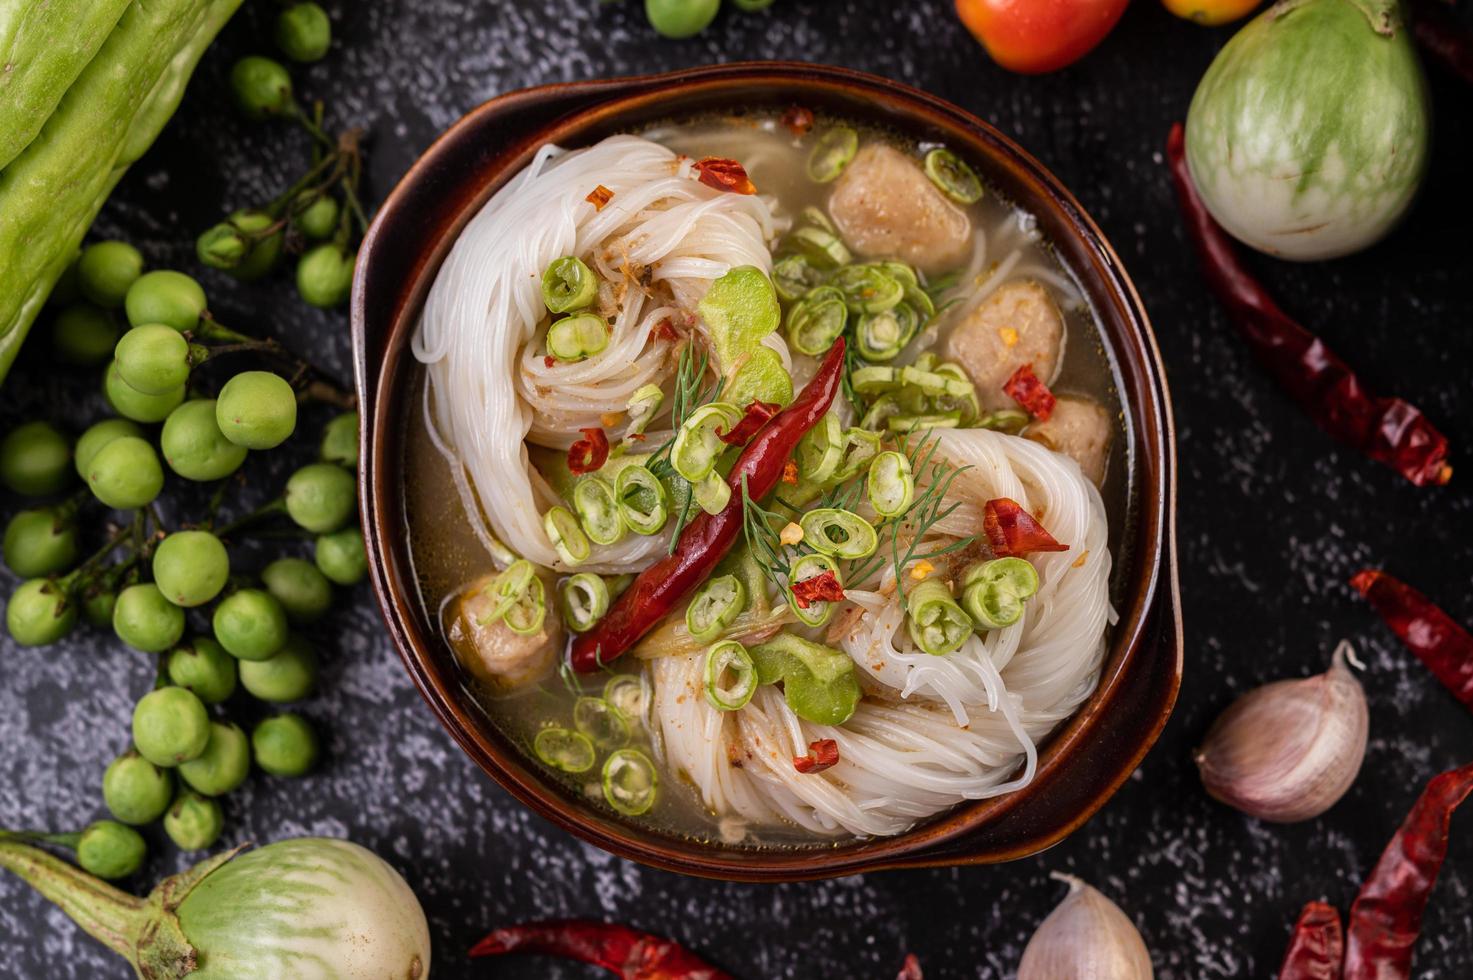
1288, 750
1086, 937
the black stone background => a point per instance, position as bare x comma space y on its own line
1274, 518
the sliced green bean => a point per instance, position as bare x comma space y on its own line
566, 536
821, 450
642, 407
565, 750
891, 484
819, 611
598, 510
716, 605
881, 336
840, 533
575, 337
823, 249
731, 678
519, 599
937, 624
584, 600
994, 592
605, 727
816, 320
793, 276
568, 284
642, 500
867, 288
860, 446
712, 494
630, 782
953, 177
832, 153
698, 445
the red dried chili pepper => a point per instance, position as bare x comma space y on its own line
599, 197
823, 754
1013, 532
725, 175
1437, 640
590, 453
910, 969
755, 417
707, 538
797, 119
1025, 389
790, 473
1389, 430
820, 588
1443, 36
1387, 915
625, 952
1316, 947
665, 330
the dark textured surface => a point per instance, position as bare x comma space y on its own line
1273, 520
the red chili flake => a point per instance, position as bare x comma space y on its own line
1013, 532
1316, 947
549, 361
664, 330
1437, 640
755, 417
820, 588
798, 119
625, 952
910, 969
823, 754
1388, 430
1386, 918
790, 473
589, 454
599, 197
1025, 389
725, 175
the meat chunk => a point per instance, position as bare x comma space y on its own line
1080, 429
1018, 324
885, 207
495, 654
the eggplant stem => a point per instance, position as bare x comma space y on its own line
112, 917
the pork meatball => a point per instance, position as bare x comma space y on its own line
1018, 324
885, 207
495, 654
1080, 429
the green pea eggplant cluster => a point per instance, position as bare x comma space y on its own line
686, 18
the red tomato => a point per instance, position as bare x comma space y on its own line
1033, 36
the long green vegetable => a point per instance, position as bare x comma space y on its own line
50, 193
311, 907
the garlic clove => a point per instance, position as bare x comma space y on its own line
1289, 750
1086, 937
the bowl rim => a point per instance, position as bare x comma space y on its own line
1152, 597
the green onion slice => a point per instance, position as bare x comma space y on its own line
816, 320
821, 450
575, 337
568, 285
731, 678
832, 153
823, 249
953, 177
630, 696
860, 446
881, 336
937, 624
520, 599
837, 532
819, 611
584, 599
716, 605
566, 536
605, 727
697, 445
712, 493
891, 485
642, 500
505, 588
565, 750
630, 782
867, 288
642, 407
993, 592
598, 510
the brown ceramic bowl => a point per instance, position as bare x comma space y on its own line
1081, 764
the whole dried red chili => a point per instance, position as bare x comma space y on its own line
1442, 35
754, 418
1013, 532
707, 538
625, 952
1437, 640
725, 175
822, 754
1025, 389
1389, 430
824, 587
1317, 946
910, 969
589, 453
1386, 918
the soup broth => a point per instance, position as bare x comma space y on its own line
1003, 261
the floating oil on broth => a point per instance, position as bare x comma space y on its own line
448, 554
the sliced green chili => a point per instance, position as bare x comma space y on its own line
630, 695
891, 485
731, 678
993, 592
840, 533
953, 177
821, 450
937, 624
881, 336
565, 750
823, 249
816, 320
867, 288
819, 611
642, 500
712, 494
575, 337
566, 536
716, 605
832, 153
642, 407
568, 285
860, 446
605, 727
584, 599
598, 510
630, 782
519, 599
698, 445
